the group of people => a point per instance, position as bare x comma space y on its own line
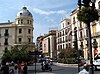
13, 68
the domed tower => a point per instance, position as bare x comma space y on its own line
24, 29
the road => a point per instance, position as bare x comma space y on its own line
56, 69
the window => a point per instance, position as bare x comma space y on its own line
60, 33
20, 30
63, 32
6, 30
6, 41
63, 46
63, 25
20, 39
29, 39
27, 21
68, 23
66, 31
66, 45
63, 39
18, 21
29, 31
30, 22
80, 34
86, 32
21, 21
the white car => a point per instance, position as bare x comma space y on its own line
96, 62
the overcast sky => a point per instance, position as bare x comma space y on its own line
46, 13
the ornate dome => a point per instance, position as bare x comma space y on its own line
24, 12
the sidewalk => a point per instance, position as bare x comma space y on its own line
66, 65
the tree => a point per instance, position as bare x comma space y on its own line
67, 55
16, 54
6, 56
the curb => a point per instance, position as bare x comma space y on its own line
61, 64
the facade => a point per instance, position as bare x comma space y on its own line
63, 36
18, 33
39, 43
82, 32
49, 44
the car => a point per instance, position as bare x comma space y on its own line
96, 64
96, 61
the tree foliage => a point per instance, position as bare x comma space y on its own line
87, 14
16, 54
67, 55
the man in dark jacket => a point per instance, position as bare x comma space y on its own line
5, 69
25, 69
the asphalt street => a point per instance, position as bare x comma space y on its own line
56, 69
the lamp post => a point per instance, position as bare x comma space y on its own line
76, 47
90, 48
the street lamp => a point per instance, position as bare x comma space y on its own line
76, 47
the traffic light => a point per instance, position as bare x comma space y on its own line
86, 2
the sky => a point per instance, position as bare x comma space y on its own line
47, 14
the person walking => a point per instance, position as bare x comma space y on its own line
5, 68
16, 69
85, 69
25, 68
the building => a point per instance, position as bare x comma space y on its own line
49, 44
39, 43
63, 36
82, 32
18, 33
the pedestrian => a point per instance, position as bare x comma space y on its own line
16, 69
25, 68
5, 68
85, 69
11, 68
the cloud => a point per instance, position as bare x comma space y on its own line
39, 11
